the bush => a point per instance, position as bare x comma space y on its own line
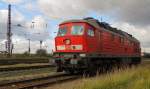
26, 53
41, 52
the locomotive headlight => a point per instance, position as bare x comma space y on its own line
77, 47
61, 47
82, 55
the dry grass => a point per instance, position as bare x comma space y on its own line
23, 74
25, 77
134, 78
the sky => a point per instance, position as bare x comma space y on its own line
40, 19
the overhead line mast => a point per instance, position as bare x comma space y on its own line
9, 33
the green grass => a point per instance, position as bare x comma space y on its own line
130, 78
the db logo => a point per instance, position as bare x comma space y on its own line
68, 47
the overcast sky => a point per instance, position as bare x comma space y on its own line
132, 16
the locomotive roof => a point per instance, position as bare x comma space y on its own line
95, 23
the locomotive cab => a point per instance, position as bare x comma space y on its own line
70, 38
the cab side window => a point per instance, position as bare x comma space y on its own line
90, 32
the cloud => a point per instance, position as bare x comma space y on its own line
29, 6
142, 34
39, 31
3, 22
132, 16
136, 12
2, 44
12, 1
3, 15
61, 9
21, 45
37, 28
21, 34
17, 17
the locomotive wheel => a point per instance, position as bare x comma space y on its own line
92, 70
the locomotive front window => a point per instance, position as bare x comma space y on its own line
77, 30
62, 31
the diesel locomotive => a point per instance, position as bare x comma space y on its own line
88, 44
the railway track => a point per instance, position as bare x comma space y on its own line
29, 66
22, 60
37, 82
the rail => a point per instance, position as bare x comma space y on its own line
31, 83
24, 67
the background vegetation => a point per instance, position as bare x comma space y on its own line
39, 53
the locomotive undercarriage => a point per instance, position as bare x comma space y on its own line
91, 64
70, 63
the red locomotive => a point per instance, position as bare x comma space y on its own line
87, 44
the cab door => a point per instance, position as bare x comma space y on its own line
100, 35
91, 40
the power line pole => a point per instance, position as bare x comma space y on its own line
41, 41
29, 49
9, 34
